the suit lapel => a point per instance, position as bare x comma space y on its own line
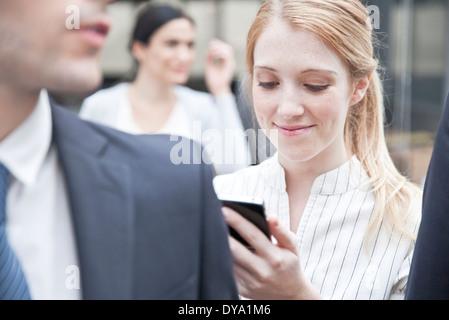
100, 196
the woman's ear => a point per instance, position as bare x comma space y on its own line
138, 50
361, 86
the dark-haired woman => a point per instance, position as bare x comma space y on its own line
157, 100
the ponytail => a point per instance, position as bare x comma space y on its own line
365, 137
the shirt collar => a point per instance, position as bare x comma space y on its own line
348, 176
23, 151
274, 173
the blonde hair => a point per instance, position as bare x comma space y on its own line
345, 26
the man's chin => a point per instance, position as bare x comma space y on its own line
71, 91
76, 82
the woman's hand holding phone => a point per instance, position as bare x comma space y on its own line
270, 271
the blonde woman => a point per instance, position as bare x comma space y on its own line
342, 217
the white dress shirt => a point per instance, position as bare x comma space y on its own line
176, 123
332, 230
38, 215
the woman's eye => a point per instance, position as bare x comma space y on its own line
268, 85
172, 43
316, 88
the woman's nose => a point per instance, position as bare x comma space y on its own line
290, 104
185, 54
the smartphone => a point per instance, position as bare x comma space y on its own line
251, 208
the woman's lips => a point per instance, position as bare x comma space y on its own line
293, 130
181, 70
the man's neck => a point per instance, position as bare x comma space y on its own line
16, 104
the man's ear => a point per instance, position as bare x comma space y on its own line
361, 86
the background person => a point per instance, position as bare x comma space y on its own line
343, 218
163, 44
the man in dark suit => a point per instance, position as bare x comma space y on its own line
93, 213
429, 274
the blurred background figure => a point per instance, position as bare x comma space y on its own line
157, 100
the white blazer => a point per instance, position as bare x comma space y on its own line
215, 123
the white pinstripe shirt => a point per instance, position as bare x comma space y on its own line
332, 230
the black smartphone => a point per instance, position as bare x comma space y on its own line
251, 208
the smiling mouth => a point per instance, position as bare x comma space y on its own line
293, 130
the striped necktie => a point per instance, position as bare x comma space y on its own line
13, 284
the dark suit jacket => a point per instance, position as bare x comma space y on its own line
145, 228
429, 274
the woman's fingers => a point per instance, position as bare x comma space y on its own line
284, 237
247, 230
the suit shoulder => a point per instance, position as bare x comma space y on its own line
166, 148
145, 150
